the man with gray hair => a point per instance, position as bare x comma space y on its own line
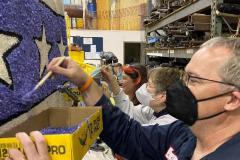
207, 103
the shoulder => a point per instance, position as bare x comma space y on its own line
178, 129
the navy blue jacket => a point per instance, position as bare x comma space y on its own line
170, 142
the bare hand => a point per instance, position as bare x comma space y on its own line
69, 69
36, 150
107, 73
105, 88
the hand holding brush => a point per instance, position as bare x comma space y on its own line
27, 98
49, 74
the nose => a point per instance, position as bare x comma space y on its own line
120, 82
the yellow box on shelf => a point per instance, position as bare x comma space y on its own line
79, 23
61, 146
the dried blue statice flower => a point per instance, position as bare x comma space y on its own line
60, 130
25, 22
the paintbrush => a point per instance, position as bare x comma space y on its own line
27, 98
48, 75
96, 72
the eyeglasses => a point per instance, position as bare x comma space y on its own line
188, 79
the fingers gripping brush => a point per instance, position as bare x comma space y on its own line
27, 97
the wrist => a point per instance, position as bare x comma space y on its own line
92, 94
112, 79
86, 84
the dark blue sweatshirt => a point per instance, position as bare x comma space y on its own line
170, 142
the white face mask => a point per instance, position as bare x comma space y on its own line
143, 96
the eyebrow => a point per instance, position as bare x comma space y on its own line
193, 74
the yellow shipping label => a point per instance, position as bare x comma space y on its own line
86, 136
5, 144
59, 146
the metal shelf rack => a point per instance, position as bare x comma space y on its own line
179, 14
185, 11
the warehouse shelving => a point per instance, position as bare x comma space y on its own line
197, 6
179, 14
172, 52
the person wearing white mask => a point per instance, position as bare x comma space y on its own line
151, 95
206, 102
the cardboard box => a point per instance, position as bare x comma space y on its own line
62, 146
103, 14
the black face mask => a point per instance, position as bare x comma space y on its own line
182, 104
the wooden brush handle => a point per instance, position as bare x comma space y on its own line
48, 75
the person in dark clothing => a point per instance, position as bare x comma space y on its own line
207, 103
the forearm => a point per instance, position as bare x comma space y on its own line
115, 86
140, 113
123, 102
92, 95
127, 137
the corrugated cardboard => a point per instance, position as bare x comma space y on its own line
103, 14
63, 146
131, 14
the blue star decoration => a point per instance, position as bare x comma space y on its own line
31, 34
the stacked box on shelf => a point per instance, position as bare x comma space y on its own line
103, 14
131, 13
142, 11
78, 20
75, 13
115, 14
91, 15
121, 14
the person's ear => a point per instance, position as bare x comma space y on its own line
234, 102
161, 98
137, 81
164, 98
